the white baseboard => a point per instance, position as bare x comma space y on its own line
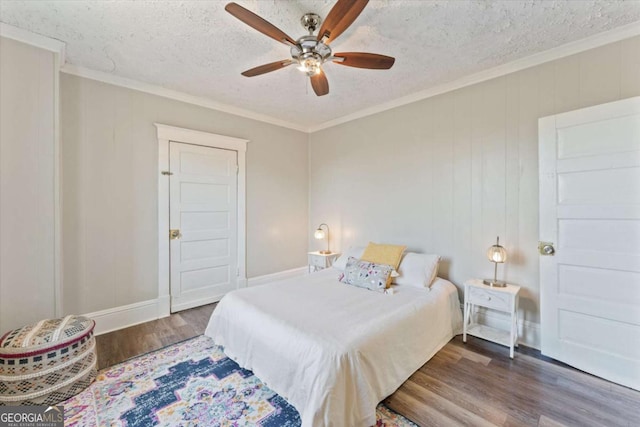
124, 316
164, 306
281, 275
528, 332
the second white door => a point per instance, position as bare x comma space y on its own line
203, 220
590, 209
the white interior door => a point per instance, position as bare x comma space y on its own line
203, 207
590, 209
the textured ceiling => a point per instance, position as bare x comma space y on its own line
198, 48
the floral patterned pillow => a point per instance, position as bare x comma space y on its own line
365, 274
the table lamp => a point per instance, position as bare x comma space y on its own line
496, 254
320, 234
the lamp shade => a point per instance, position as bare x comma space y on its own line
319, 234
497, 253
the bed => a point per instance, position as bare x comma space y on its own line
332, 350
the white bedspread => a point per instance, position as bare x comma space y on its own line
332, 350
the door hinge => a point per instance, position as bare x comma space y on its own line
167, 173
237, 169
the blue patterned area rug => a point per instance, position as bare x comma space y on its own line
193, 384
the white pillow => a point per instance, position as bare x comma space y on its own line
418, 270
353, 251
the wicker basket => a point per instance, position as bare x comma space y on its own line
46, 363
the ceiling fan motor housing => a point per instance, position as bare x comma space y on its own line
310, 53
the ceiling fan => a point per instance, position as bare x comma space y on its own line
311, 51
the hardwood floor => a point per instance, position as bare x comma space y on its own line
473, 384
118, 346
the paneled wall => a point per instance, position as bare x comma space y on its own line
110, 194
27, 172
448, 174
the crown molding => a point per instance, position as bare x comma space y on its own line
572, 48
176, 95
33, 39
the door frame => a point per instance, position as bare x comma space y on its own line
166, 134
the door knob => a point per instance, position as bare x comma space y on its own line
174, 234
546, 248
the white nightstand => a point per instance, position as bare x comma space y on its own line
318, 261
477, 294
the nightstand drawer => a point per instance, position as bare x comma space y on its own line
491, 299
318, 261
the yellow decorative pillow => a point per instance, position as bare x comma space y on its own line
384, 254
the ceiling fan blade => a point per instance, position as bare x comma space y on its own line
320, 83
343, 13
365, 60
258, 23
267, 68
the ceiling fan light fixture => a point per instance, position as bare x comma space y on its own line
310, 66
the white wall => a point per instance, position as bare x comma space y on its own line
110, 161
27, 174
447, 174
